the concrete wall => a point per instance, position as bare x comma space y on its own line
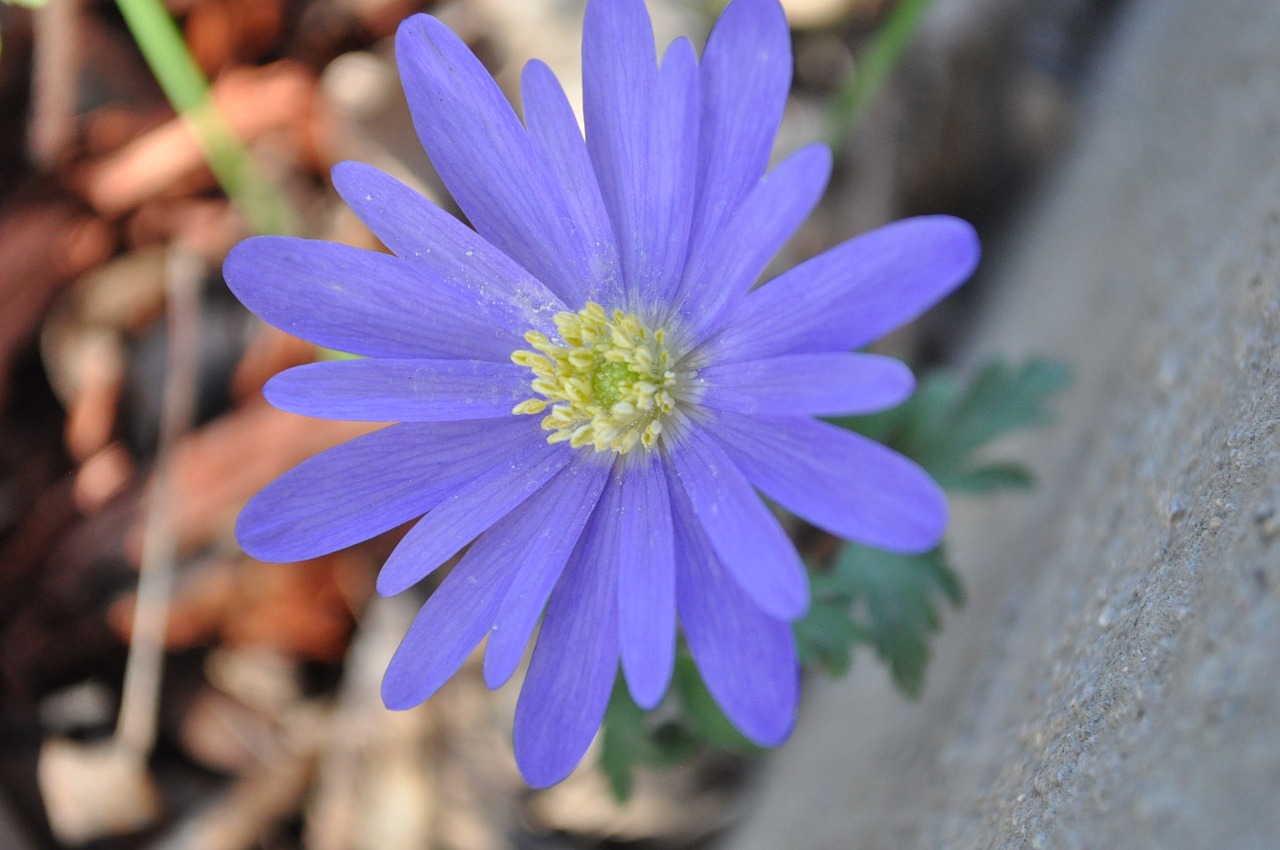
1114, 681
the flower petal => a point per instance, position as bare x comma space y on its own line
363, 302
829, 384
838, 480
746, 658
723, 268
854, 293
554, 131
460, 611
746, 77
485, 158
641, 133
400, 390
569, 499
450, 625
641, 506
421, 233
372, 484
468, 511
746, 536
574, 663
662, 234
619, 72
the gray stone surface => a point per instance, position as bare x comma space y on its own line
1115, 679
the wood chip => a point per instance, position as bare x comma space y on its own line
255, 102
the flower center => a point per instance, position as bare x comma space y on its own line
608, 383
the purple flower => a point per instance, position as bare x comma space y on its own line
586, 385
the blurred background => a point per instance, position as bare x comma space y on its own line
132, 427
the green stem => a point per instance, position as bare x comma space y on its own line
874, 66
184, 85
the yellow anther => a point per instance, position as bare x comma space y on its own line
532, 405
607, 382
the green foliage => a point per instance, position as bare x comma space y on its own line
887, 601
705, 718
827, 634
891, 602
948, 420
634, 737
873, 65
687, 721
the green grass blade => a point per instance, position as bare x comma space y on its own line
184, 85
874, 66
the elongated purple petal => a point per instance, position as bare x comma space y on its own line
554, 131
746, 77
747, 659
467, 512
829, 384
574, 663
723, 269
373, 483
641, 506
363, 302
660, 236
401, 390
461, 610
748, 539
450, 625
838, 480
423, 234
619, 77
854, 293
571, 497
485, 158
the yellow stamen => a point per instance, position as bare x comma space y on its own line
609, 383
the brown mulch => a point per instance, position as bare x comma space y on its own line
96, 187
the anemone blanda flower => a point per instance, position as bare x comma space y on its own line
586, 385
